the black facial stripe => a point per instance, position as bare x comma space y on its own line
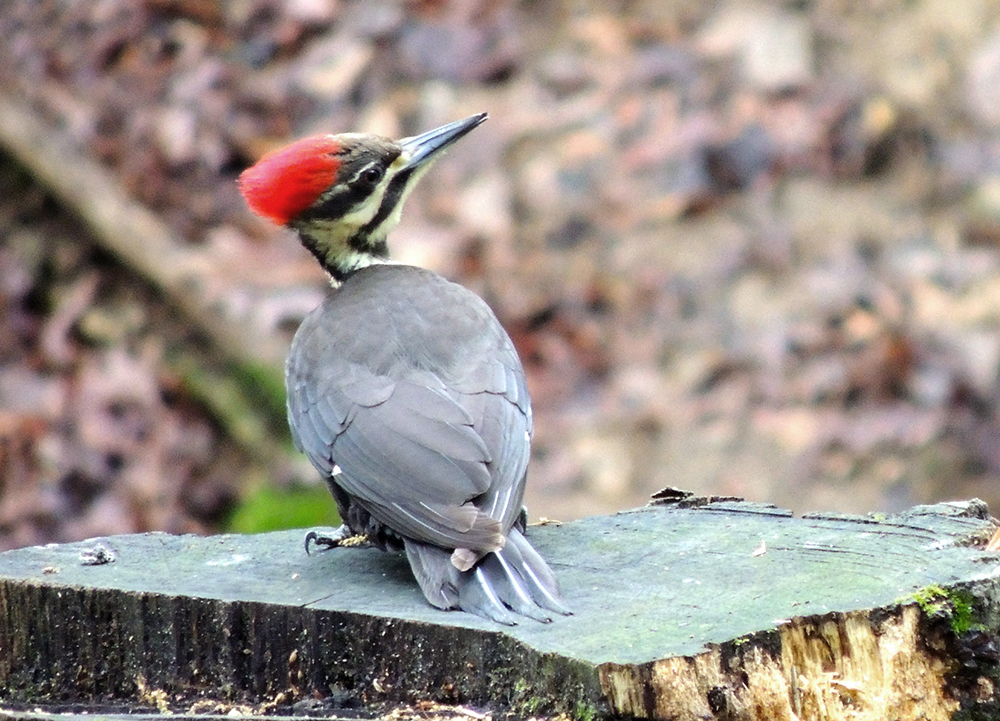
338, 204
392, 195
362, 243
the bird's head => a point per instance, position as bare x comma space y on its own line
344, 193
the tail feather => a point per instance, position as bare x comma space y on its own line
513, 580
508, 585
542, 583
477, 594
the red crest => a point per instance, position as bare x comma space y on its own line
286, 181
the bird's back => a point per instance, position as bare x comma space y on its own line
393, 337
399, 319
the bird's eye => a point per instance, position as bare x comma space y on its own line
371, 176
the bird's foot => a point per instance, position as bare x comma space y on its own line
342, 536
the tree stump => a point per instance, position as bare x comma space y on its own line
689, 608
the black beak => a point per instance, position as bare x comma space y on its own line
421, 148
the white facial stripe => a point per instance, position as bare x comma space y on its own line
334, 242
392, 220
363, 213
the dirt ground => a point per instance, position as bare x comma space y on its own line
744, 248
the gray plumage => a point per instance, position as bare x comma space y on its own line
408, 396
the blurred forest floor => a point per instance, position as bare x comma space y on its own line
744, 248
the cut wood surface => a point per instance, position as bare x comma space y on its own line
688, 609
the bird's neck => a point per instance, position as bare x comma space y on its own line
340, 251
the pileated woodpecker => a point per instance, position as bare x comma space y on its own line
403, 389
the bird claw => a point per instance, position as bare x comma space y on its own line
342, 536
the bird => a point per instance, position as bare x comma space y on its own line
403, 388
